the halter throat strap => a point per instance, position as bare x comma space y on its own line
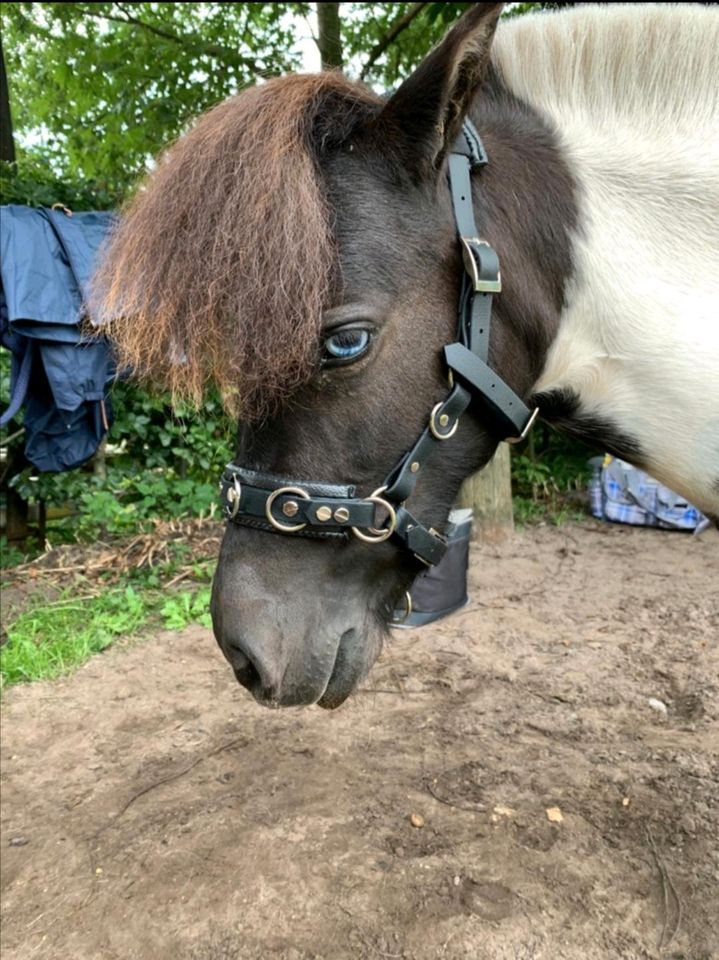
322, 510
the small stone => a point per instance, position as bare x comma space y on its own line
18, 842
626, 801
416, 820
657, 705
554, 815
457, 881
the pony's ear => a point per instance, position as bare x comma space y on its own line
423, 118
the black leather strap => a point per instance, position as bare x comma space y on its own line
318, 509
247, 496
469, 144
460, 185
506, 412
403, 479
428, 545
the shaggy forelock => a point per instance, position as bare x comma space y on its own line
220, 267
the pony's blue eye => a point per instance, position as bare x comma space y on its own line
346, 345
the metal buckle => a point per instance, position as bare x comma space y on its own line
284, 527
528, 426
233, 497
433, 425
470, 265
380, 535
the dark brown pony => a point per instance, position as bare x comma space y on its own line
297, 248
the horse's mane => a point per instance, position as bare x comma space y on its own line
641, 63
222, 263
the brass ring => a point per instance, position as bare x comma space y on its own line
284, 527
386, 533
408, 609
433, 426
233, 497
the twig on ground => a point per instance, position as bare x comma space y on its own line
176, 776
475, 808
667, 888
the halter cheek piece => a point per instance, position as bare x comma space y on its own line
306, 508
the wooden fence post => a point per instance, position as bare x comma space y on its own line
489, 494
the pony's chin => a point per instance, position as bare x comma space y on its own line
355, 654
352, 665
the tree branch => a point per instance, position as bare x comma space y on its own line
212, 50
7, 141
397, 27
329, 38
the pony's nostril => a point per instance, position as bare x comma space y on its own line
245, 670
247, 673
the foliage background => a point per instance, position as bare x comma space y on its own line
96, 90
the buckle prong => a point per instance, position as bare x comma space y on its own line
527, 427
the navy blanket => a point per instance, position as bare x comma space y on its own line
59, 379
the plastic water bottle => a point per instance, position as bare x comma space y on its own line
594, 488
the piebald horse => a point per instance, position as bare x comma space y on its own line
299, 249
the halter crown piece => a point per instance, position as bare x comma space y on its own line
308, 508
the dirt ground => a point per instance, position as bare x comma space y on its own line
152, 810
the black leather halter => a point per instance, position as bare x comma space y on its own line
308, 508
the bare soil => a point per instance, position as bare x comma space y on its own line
151, 811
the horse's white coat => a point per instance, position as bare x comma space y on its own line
633, 92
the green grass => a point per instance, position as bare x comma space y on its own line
12, 556
52, 638
554, 510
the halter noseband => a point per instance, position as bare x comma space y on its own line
307, 508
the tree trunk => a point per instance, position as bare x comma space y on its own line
489, 494
7, 142
329, 38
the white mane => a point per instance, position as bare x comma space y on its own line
633, 92
638, 64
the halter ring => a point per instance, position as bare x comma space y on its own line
433, 425
408, 609
284, 527
386, 533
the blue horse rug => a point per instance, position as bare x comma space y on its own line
59, 377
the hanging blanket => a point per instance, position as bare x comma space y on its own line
625, 494
59, 378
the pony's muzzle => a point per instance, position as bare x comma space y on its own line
327, 681
263, 677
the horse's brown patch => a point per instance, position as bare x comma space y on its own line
221, 265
